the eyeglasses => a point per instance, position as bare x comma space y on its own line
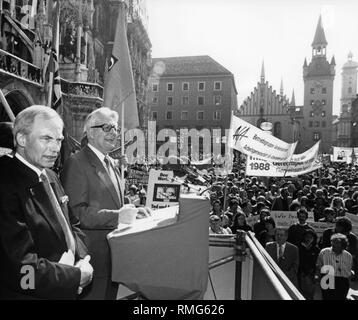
106, 127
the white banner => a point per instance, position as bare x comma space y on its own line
288, 218
162, 192
342, 154
255, 142
354, 220
298, 165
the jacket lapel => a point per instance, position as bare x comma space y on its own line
46, 209
39, 197
102, 174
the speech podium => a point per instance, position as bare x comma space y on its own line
164, 257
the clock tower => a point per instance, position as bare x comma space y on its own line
318, 77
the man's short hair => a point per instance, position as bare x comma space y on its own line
345, 223
25, 119
282, 228
94, 115
340, 237
302, 210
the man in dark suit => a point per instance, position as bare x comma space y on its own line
42, 251
284, 254
92, 181
6, 143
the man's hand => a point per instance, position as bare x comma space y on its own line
107, 211
86, 271
122, 160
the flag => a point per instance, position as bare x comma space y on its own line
55, 86
69, 144
119, 86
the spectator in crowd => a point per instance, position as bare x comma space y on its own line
260, 226
240, 223
216, 208
269, 233
343, 225
232, 210
335, 261
329, 215
296, 231
284, 254
133, 196
281, 203
216, 227
338, 207
308, 254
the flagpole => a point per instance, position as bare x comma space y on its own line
122, 147
54, 45
7, 107
50, 89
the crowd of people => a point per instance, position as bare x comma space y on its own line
329, 195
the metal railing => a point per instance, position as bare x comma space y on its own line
82, 89
19, 68
241, 242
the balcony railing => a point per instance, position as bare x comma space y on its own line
20, 68
83, 89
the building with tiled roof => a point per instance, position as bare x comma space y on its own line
265, 104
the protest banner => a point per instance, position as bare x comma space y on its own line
354, 220
162, 191
257, 143
288, 218
298, 164
344, 155
137, 177
319, 227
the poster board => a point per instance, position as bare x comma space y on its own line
162, 192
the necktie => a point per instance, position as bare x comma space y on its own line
114, 178
280, 252
70, 241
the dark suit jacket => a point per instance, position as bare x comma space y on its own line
90, 189
30, 234
289, 263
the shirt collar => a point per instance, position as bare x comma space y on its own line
98, 153
28, 164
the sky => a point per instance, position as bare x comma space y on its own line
240, 34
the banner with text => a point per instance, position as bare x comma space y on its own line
298, 165
288, 218
162, 191
255, 142
344, 155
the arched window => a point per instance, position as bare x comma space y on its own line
277, 129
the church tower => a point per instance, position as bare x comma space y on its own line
318, 77
349, 83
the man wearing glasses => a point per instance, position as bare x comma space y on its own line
92, 183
